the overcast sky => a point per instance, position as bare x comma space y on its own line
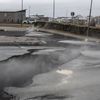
63, 7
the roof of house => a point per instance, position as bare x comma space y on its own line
13, 11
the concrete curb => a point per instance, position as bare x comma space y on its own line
68, 34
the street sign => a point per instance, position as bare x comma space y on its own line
72, 14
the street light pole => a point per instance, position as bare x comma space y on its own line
22, 5
29, 11
53, 9
89, 18
22, 13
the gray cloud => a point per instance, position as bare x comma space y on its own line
63, 7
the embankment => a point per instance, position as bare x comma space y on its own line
68, 28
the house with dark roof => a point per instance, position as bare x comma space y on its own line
12, 16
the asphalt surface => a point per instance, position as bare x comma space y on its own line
63, 68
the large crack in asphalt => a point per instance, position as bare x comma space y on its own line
19, 71
21, 75
49, 97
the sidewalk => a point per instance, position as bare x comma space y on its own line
18, 41
13, 28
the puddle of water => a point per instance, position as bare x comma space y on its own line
65, 72
77, 42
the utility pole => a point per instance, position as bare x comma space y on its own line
29, 11
22, 13
66, 13
53, 10
90, 12
22, 5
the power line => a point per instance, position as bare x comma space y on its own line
22, 13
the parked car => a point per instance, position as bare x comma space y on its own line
25, 22
28, 22
31, 22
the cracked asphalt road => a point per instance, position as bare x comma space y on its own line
61, 69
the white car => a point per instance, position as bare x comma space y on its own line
31, 22
28, 22
25, 22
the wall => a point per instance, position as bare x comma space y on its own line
12, 17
